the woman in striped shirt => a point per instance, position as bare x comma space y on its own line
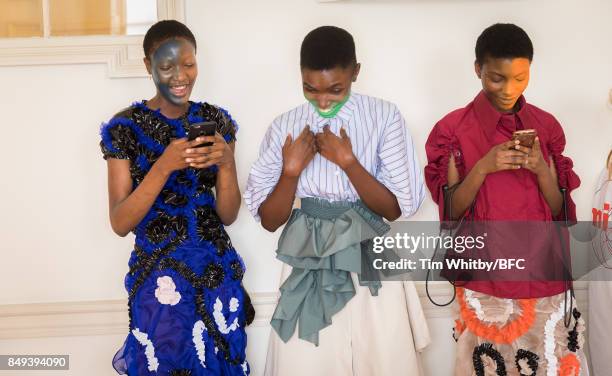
351, 161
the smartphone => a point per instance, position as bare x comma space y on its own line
526, 137
206, 128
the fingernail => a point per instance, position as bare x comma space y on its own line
188, 151
188, 160
199, 139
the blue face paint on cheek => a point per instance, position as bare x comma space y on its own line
166, 67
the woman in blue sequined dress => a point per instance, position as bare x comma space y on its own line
187, 306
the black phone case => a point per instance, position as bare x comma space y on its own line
206, 128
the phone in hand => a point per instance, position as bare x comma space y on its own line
205, 128
526, 137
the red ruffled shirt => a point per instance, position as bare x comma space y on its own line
469, 133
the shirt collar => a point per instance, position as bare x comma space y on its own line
488, 116
346, 112
344, 115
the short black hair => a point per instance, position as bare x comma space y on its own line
503, 40
327, 47
163, 30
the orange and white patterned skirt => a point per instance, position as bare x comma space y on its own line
517, 337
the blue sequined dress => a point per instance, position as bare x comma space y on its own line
187, 307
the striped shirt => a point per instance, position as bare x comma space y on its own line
380, 142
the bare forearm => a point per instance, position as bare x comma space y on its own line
129, 212
466, 192
550, 189
228, 194
276, 209
372, 192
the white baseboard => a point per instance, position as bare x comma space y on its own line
104, 317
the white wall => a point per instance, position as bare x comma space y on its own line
418, 54
57, 243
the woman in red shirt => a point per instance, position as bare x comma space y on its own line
506, 327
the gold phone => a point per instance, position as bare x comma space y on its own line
526, 137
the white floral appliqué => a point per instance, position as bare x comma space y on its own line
234, 304
497, 313
220, 318
549, 341
198, 341
166, 291
144, 340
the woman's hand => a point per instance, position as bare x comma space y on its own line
546, 175
502, 157
128, 206
174, 156
219, 153
534, 161
336, 149
298, 154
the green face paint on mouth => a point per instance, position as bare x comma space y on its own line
333, 110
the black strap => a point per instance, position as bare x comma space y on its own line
448, 202
567, 314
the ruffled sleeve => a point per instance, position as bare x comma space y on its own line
266, 170
568, 180
398, 166
440, 144
227, 126
118, 139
